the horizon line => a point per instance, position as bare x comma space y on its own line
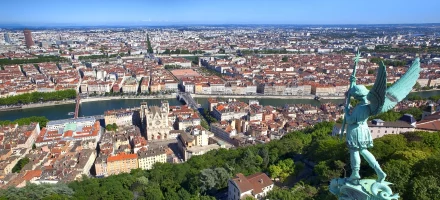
140, 24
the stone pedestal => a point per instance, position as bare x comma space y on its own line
364, 189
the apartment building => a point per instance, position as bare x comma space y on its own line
147, 158
121, 117
121, 163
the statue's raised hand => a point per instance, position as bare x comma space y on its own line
353, 78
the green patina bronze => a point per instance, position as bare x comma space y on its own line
378, 100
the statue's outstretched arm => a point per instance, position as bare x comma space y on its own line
352, 80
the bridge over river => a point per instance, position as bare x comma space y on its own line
189, 100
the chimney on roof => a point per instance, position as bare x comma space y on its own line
378, 122
261, 180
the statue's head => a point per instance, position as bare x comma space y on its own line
359, 92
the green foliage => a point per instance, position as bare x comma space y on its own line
371, 71
56, 197
194, 60
326, 171
265, 51
153, 192
285, 59
282, 169
390, 116
111, 127
204, 124
209, 118
20, 164
414, 97
434, 98
300, 191
26, 121
327, 148
424, 188
402, 49
399, 173
387, 145
197, 52
211, 179
173, 67
417, 86
411, 156
33, 191
36, 97
354, 102
39, 59
415, 112
149, 48
112, 187
279, 194
394, 63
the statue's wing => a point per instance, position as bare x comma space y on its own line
402, 87
376, 96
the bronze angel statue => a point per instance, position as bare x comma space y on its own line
378, 100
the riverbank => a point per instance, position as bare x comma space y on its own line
262, 96
92, 99
39, 105
424, 93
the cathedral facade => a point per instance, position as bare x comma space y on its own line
156, 121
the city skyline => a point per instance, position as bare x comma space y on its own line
226, 12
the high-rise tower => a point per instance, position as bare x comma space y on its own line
7, 38
28, 38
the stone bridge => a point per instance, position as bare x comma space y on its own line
189, 100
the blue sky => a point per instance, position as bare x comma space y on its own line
103, 12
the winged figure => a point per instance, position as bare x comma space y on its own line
378, 100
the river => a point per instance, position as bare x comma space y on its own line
98, 107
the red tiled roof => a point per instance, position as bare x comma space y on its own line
31, 174
121, 156
255, 182
433, 125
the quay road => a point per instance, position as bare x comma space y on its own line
191, 55
153, 56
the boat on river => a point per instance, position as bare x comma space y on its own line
317, 98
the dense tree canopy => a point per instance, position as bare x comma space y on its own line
394, 63
149, 48
91, 57
20, 164
392, 115
111, 127
26, 121
39, 59
36, 97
